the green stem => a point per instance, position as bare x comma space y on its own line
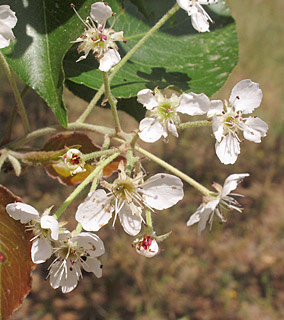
194, 124
19, 101
112, 102
91, 105
175, 171
149, 218
100, 92
97, 154
78, 228
89, 178
57, 128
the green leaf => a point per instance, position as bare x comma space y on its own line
175, 55
43, 34
15, 258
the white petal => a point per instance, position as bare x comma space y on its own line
6, 34
194, 104
208, 209
95, 212
207, 1
150, 130
172, 129
90, 242
49, 222
184, 4
64, 274
228, 149
21, 211
147, 98
232, 182
131, 222
109, 59
200, 22
255, 129
217, 128
150, 252
100, 12
216, 108
162, 191
41, 250
93, 265
195, 217
117, 36
246, 96
7, 16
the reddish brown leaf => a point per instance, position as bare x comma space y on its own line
63, 175
15, 258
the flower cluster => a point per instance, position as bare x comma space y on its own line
98, 38
227, 118
8, 21
73, 251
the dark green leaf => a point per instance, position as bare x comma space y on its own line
43, 34
175, 55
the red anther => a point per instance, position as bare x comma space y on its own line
169, 110
94, 39
124, 41
72, 5
103, 37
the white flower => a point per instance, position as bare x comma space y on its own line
74, 253
147, 246
215, 204
199, 17
8, 21
228, 120
99, 39
164, 108
73, 161
45, 228
127, 199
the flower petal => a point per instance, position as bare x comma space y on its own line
172, 129
93, 265
90, 242
6, 34
100, 12
255, 129
200, 22
232, 182
131, 222
194, 104
216, 108
7, 16
109, 59
95, 212
41, 250
21, 211
246, 96
217, 128
228, 149
150, 130
147, 98
151, 250
162, 191
49, 222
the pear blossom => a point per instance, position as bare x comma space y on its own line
98, 38
199, 17
74, 161
215, 204
164, 108
73, 253
127, 198
45, 228
8, 21
146, 246
228, 120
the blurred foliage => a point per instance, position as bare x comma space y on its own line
236, 271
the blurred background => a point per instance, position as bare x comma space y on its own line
234, 272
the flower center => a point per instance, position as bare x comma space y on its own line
123, 189
165, 110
